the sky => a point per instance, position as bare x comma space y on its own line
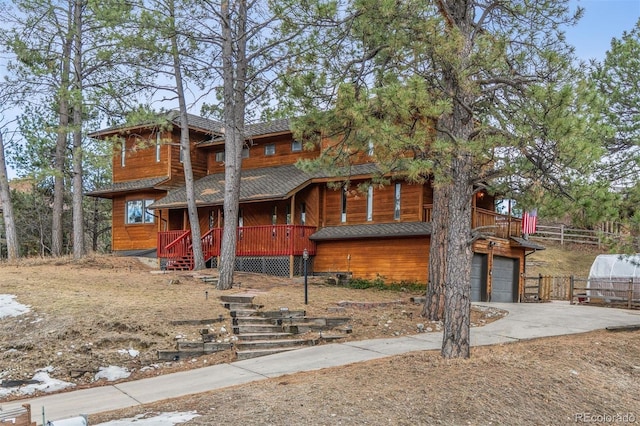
602, 21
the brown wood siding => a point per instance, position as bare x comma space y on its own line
383, 205
133, 237
198, 159
258, 159
140, 158
394, 260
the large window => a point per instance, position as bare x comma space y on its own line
138, 212
158, 144
343, 215
396, 209
370, 203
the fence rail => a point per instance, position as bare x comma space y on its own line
623, 293
600, 238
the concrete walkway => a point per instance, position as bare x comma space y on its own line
524, 321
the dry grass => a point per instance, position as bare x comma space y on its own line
83, 312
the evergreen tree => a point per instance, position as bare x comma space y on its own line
474, 94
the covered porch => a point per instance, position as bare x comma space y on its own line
176, 247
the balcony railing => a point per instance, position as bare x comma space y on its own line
271, 240
496, 224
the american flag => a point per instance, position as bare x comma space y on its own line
529, 222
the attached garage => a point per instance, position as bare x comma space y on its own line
504, 279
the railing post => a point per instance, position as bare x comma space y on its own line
562, 234
540, 292
571, 287
630, 293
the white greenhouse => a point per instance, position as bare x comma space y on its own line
613, 277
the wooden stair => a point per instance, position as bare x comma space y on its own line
268, 332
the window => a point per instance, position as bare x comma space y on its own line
303, 213
343, 216
270, 149
158, 147
245, 152
288, 214
138, 212
220, 157
296, 146
370, 203
240, 218
396, 209
181, 154
274, 215
123, 153
370, 150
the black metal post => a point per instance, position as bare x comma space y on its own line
305, 257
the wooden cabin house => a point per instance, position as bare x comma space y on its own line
382, 232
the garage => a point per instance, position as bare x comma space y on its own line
504, 283
479, 278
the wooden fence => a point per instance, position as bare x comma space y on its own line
622, 293
600, 238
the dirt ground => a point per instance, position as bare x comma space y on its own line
85, 315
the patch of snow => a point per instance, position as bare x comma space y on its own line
161, 419
112, 373
10, 308
46, 384
131, 352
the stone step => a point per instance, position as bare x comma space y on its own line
256, 328
244, 337
237, 298
244, 313
254, 353
275, 343
256, 319
236, 306
283, 314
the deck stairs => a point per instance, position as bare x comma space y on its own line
262, 333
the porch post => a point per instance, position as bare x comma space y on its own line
292, 215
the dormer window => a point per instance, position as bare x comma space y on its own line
296, 146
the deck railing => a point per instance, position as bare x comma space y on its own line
271, 240
490, 222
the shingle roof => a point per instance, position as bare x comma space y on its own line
204, 124
266, 128
128, 186
256, 185
374, 230
528, 243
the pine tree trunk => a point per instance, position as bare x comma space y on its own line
61, 147
235, 61
456, 334
13, 249
185, 148
434, 306
78, 211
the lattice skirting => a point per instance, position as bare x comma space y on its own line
273, 265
